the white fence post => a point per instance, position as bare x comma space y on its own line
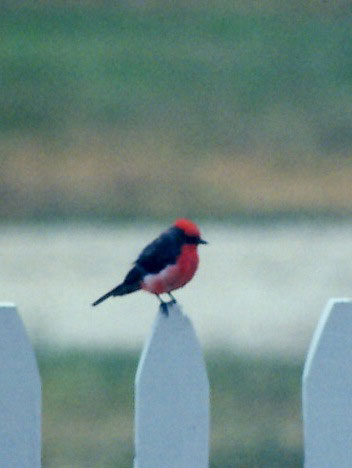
20, 395
327, 390
172, 397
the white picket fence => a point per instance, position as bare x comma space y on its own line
20, 395
327, 390
172, 394
172, 397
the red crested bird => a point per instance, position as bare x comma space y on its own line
166, 264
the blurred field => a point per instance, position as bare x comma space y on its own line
202, 108
88, 410
88, 181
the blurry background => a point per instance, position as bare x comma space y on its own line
116, 118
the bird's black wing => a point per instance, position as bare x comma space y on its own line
162, 252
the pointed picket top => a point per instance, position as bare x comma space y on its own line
327, 390
172, 397
20, 394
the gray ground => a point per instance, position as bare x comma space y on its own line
259, 289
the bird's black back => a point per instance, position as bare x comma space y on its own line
162, 252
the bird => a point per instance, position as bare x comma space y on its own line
167, 263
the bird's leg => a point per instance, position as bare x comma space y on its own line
173, 300
163, 306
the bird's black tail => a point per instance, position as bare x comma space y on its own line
120, 290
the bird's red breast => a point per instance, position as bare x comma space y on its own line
176, 275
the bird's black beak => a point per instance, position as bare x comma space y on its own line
201, 241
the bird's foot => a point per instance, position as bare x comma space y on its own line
173, 300
164, 308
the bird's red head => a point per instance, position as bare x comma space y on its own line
188, 227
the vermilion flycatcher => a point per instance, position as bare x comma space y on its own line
167, 263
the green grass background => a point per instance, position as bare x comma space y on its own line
88, 410
105, 106
211, 75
